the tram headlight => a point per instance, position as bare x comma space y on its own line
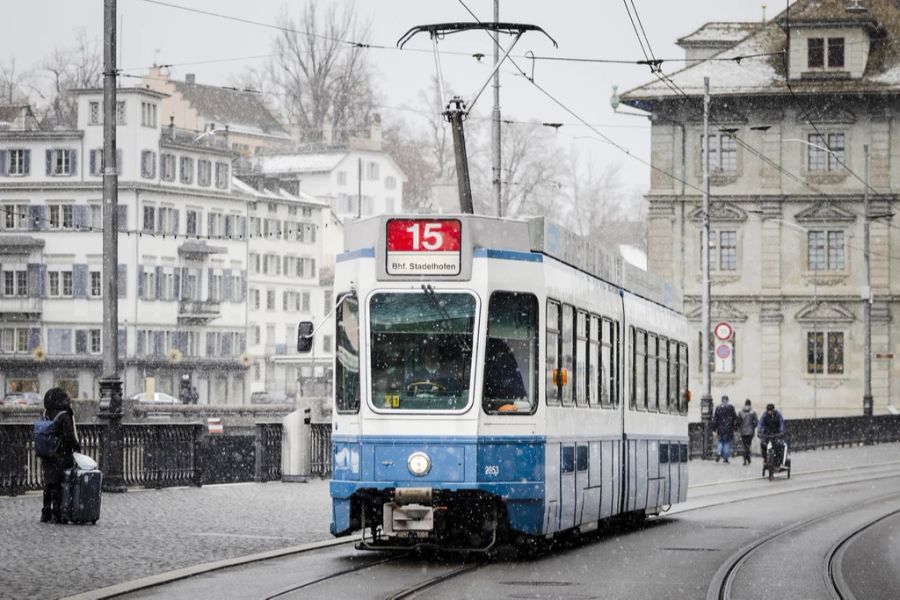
418, 464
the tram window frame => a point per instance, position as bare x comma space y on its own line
580, 361
534, 366
683, 373
639, 369
595, 361
672, 377
567, 335
616, 363
347, 300
652, 372
607, 376
553, 388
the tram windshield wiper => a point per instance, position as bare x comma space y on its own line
432, 298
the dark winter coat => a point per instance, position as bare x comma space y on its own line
725, 421
54, 468
771, 424
748, 420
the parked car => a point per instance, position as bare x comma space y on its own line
21, 399
272, 397
158, 398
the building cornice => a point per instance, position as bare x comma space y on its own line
41, 135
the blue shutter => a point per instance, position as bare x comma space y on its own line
79, 281
33, 280
2, 162
80, 216
122, 217
209, 225
210, 294
243, 294
93, 159
140, 281
122, 273
228, 220
141, 346
226, 344
34, 338
176, 282
49, 165
242, 342
175, 221
243, 228
80, 341
210, 343
158, 342
36, 218
160, 288
122, 337
42, 281
226, 285
27, 162
73, 165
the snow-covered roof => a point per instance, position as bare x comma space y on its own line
300, 163
281, 195
718, 33
760, 68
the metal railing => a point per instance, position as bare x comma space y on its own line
269, 439
320, 449
825, 432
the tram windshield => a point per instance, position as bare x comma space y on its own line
421, 350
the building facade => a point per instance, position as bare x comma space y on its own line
182, 256
792, 115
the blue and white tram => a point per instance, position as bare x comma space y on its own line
500, 378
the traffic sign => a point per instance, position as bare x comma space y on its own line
723, 331
723, 351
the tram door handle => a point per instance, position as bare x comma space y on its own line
560, 376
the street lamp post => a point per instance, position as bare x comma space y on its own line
706, 401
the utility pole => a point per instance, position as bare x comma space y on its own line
359, 188
706, 401
110, 383
455, 113
867, 297
495, 119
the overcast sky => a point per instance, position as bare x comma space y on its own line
583, 28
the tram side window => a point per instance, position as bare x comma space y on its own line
672, 365
567, 358
639, 389
581, 362
595, 367
652, 387
552, 353
607, 376
346, 374
682, 378
615, 358
511, 358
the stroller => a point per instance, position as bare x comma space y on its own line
777, 458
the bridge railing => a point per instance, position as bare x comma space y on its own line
825, 432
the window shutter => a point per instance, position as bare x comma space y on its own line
122, 336
141, 338
79, 281
243, 228
33, 280
2, 162
226, 285
209, 224
80, 341
140, 281
176, 284
226, 344
210, 343
160, 288
73, 166
49, 165
27, 162
80, 216
228, 226
153, 163
118, 161
175, 218
122, 217
158, 342
123, 281
93, 159
210, 293
42, 281
34, 338
243, 294
242, 342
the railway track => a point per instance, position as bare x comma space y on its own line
721, 586
834, 573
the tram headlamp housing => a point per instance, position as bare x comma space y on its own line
419, 464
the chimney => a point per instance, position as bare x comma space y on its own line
189, 79
172, 127
375, 129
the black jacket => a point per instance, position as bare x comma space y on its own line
725, 421
68, 443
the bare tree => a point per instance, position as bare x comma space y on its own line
411, 154
596, 193
15, 84
318, 74
69, 69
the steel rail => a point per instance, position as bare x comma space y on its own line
434, 581
335, 575
834, 576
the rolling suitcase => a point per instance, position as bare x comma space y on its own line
81, 495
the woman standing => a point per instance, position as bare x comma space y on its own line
58, 408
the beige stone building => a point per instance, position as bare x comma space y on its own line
791, 113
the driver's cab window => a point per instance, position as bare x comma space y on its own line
511, 354
346, 374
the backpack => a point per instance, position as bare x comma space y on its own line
46, 439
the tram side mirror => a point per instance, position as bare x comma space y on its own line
304, 337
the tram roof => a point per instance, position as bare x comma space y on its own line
535, 234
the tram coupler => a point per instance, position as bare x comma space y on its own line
410, 514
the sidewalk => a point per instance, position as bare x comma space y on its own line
146, 532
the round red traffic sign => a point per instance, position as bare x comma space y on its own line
723, 330
723, 351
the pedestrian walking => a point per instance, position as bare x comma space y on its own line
58, 410
748, 422
725, 422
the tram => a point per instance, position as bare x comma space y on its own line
499, 378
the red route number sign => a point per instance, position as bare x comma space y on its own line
423, 246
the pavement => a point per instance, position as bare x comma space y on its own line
147, 532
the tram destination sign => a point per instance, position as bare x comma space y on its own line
424, 247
